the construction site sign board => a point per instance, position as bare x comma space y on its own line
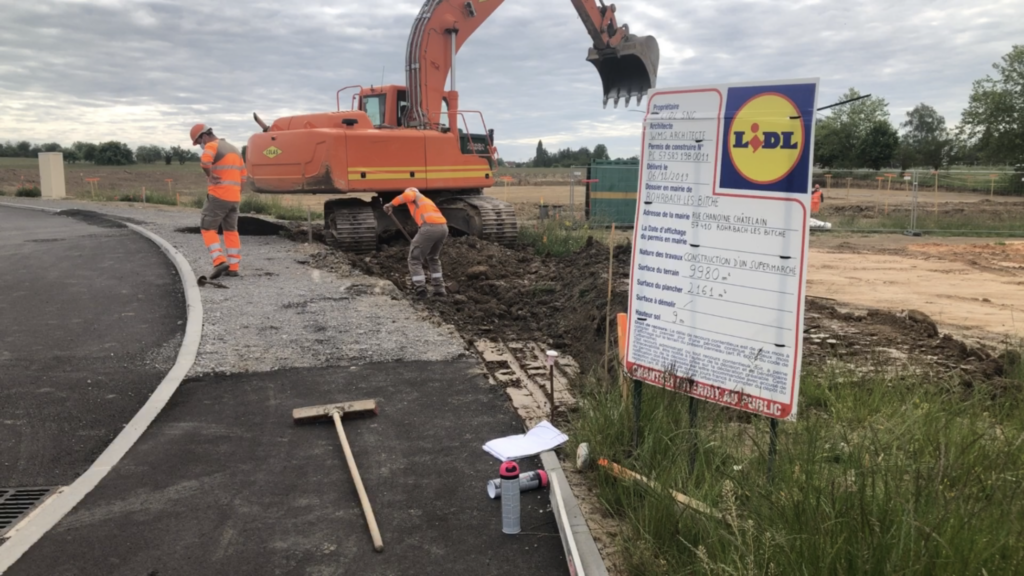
720, 246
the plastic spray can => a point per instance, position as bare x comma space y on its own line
527, 481
509, 473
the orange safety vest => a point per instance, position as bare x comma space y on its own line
423, 210
225, 161
815, 201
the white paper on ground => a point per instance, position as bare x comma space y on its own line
542, 438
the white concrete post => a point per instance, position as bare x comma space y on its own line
51, 174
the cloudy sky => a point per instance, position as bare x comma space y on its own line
145, 71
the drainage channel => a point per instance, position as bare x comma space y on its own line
17, 503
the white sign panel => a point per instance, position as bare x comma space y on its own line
720, 245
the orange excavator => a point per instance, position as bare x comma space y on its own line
396, 137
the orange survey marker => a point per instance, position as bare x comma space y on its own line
623, 325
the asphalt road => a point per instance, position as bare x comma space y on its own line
91, 315
224, 482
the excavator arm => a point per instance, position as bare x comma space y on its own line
627, 64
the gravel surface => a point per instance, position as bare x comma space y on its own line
284, 314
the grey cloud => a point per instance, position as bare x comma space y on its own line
146, 71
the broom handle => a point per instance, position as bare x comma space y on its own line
378, 544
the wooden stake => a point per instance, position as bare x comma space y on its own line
608, 311
682, 499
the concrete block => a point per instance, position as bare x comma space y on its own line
51, 174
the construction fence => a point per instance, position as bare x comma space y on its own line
916, 202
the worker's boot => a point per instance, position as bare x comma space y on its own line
421, 292
438, 292
233, 274
219, 270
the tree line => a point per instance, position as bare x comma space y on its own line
111, 153
991, 129
566, 157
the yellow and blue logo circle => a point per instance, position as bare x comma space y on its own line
766, 146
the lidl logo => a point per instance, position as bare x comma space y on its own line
766, 145
272, 152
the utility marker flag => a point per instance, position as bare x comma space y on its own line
720, 243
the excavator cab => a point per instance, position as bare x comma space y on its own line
628, 70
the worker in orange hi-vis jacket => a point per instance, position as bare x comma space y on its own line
225, 173
428, 241
817, 197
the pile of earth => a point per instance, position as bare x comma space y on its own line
908, 339
513, 294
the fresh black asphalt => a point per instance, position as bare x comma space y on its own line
223, 482
91, 316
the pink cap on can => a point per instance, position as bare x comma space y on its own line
509, 470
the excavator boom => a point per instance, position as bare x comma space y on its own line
396, 137
627, 64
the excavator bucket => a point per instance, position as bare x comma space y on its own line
629, 70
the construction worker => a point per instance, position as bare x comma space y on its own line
817, 197
225, 173
428, 241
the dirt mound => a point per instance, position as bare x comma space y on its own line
497, 292
514, 295
907, 340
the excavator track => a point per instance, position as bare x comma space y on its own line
350, 225
493, 219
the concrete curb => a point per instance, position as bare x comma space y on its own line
581, 553
30, 530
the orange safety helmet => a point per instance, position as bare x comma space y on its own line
197, 131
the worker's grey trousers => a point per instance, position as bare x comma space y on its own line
426, 246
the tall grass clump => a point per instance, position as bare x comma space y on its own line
274, 207
880, 474
554, 237
28, 192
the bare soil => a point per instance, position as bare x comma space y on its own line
512, 295
971, 287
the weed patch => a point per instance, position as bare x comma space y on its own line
879, 475
28, 192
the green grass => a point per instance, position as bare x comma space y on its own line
274, 207
164, 199
879, 475
554, 237
28, 192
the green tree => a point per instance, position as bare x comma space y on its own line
877, 148
23, 149
179, 154
600, 152
925, 133
71, 156
86, 150
543, 158
906, 155
148, 154
114, 154
51, 147
168, 155
838, 136
994, 118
